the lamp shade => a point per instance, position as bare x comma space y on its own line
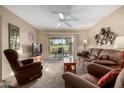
85, 41
85, 44
119, 42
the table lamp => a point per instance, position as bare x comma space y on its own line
85, 44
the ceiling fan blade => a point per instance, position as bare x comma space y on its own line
68, 24
54, 12
71, 19
58, 24
60, 14
57, 12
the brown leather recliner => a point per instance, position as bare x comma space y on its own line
24, 71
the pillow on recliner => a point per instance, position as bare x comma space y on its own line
108, 79
104, 62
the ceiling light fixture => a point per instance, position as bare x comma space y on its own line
61, 15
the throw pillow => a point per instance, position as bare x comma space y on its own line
93, 57
108, 79
104, 62
104, 57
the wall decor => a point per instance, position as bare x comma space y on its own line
30, 36
14, 38
106, 36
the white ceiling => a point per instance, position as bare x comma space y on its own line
41, 16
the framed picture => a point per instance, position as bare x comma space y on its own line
14, 37
30, 36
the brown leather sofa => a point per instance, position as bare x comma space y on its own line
90, 79
24, 71
108, 57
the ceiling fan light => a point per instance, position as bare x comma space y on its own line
61, 15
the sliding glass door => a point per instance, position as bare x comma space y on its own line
60, 47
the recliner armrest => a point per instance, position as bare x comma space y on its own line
75, 81
27, 61
98, 70
30, 66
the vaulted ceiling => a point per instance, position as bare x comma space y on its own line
42, 16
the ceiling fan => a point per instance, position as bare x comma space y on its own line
64, 18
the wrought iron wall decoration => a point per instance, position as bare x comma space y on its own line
106, 36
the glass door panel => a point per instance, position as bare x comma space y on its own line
60, 47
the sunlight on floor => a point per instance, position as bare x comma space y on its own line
47, 69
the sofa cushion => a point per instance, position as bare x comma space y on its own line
108, 79
104, 62
103, 57
93, 57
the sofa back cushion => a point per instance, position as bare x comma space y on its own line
90, 51
96, 52
113, 55
104, 62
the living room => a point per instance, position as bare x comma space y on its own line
82, 34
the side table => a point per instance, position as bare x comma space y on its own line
70, 66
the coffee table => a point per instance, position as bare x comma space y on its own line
70, 66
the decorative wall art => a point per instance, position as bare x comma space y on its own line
31, 36
106, 36
14, 40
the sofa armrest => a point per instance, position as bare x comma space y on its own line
83, 54
75, 81
27, 61
78, 54
98, 70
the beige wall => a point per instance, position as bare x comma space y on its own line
114, 20
44, 36
43, 39
25, 28
0, 47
